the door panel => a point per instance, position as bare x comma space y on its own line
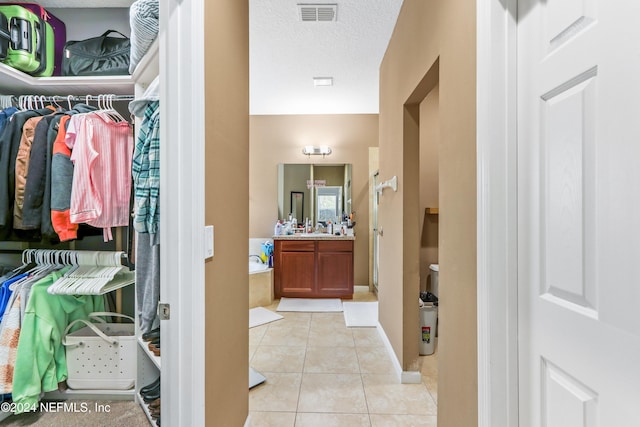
578, 185
297, 274
335, 274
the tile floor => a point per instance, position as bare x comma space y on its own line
321, 373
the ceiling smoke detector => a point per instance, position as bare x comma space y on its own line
318, 12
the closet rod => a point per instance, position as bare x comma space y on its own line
77, 98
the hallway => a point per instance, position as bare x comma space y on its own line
321, 373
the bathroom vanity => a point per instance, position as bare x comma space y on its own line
313, 266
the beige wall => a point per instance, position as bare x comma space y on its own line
227, 207
279, 139
432, 35
429, 142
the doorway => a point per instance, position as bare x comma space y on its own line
375, 233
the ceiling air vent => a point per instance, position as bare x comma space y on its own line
318, 12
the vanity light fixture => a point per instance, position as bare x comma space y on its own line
323, 150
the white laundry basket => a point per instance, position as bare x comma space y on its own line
101, 355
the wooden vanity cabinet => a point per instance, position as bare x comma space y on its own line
313, 268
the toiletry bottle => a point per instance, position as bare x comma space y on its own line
278, 229
329, 227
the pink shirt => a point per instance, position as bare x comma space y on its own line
101, 154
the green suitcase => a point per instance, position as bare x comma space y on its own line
32, 43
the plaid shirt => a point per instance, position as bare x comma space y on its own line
146, 172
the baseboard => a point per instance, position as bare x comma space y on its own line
404, 377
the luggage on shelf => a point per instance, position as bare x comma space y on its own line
98, 56
59, 32
5, 36
32, 46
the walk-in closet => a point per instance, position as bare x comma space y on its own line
90, 260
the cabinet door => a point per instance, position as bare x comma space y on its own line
335, 274
297, 271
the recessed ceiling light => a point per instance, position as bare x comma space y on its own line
323, 81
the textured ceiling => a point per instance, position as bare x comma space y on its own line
286, 53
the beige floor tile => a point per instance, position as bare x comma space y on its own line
269, 358
432, 386
332, 420
278, 394
375, 360
272, 419
331, 360
336, 393
403, 420
367, 337
256, 334
328, 319
297, 320
385, 395
252, 351
290, 336
330, 336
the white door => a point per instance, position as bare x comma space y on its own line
579, 213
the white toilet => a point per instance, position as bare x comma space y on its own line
434, 270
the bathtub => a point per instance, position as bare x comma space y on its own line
260, 284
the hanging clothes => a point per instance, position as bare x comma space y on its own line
61, 183
5, 115
9, 144
147, 281
146, 181
40, 359
146, 162
22, 168
9, 337
36, 211
34, 187
101, 151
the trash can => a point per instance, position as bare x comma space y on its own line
428, 319
428, 316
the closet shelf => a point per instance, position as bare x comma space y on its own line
431, 211
149, 66
14, 82
145, 346
145, 408
92, 394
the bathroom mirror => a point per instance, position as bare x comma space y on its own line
318, 192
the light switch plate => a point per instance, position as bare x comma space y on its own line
208, 241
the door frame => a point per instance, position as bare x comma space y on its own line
182, 201
497, 273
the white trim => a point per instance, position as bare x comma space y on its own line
497, 213
404, 377
182, 202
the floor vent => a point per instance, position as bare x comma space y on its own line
318, 12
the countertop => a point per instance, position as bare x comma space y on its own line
313, 236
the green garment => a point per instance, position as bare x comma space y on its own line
40, 360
